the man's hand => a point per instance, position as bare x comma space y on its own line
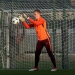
26, 16
21, 18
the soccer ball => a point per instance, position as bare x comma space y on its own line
15, 20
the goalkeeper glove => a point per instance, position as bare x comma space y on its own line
26, 16
21, 18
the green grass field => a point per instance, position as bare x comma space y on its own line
40, 72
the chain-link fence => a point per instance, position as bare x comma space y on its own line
60, 17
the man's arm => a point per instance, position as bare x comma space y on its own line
27, 25
36, 22
24, 22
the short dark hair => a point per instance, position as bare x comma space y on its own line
37, 10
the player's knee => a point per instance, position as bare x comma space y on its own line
37, 53
50, 53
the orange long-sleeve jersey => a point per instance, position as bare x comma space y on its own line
40, 27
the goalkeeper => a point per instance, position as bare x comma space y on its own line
43, 37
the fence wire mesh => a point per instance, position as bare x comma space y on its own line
60, 17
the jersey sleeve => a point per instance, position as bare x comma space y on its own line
27, 25
36, 22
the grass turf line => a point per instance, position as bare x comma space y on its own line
40, 72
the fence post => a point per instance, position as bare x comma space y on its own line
7, 41
54, 27
64, 39
2, 37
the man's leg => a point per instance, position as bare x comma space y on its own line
39, 47
49, 51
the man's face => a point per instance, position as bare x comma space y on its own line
36, 15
